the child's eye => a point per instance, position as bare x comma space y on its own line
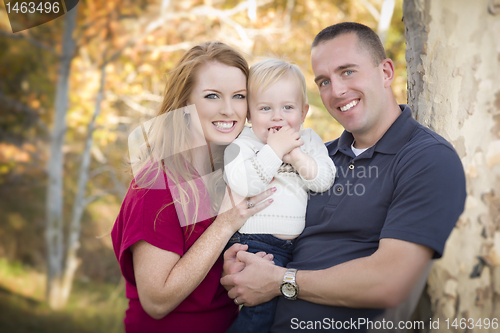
324, 83
211, 96
239, 96
265, 108
288, 107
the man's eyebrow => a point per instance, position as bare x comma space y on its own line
319, 78
341, 68
338, 69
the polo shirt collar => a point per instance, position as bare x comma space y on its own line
391, 142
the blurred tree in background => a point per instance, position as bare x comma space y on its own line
124, 49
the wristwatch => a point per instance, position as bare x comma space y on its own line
288, 287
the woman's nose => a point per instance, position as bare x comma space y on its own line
227, 109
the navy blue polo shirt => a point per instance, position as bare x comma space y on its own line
410, 185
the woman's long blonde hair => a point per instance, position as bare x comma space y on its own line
168, 138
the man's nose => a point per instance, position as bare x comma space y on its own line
338, 88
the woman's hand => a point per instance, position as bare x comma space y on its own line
164, 279
235, 209
233, 265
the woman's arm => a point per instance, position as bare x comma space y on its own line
164, 279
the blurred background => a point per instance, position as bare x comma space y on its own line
79, 95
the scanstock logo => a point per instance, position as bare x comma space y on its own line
28, 14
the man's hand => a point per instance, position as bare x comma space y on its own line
257, 283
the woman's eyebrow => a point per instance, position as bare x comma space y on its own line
217, 91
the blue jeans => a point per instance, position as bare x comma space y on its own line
259, 319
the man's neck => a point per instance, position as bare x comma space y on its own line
370, 138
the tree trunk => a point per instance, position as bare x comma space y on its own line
384, 21
453, 53
54, 205
80, 202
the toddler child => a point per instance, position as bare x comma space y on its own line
275, 152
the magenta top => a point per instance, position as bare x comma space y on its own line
208, 308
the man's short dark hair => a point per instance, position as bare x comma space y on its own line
366, 36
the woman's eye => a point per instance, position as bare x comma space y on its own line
239, 96
324, 83
211, 96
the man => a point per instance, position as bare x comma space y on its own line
399, 191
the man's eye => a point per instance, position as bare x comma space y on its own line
348, 72
211, 96
324, 83
239, 96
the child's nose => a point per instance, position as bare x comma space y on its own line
277, 115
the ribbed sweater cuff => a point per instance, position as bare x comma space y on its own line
269, 161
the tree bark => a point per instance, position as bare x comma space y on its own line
54, 205
453, 53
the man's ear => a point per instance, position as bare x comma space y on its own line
387, 67
305, 110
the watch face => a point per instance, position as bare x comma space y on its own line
288, 290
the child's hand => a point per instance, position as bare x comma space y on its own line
284, 140
293, 156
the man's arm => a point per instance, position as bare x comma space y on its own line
381, 280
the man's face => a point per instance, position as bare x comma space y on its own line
351, 86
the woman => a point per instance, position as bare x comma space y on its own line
166, 238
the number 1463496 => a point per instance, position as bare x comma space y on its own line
471, 323
32, 7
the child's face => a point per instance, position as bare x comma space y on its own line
279, 105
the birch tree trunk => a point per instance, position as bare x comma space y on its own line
384, 21
54, 205
80, 202
453, 59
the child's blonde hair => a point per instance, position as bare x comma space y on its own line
267, 72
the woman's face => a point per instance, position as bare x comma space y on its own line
219, 95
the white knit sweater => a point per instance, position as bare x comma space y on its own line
250, 165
